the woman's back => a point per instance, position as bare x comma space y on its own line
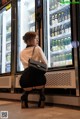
38, 55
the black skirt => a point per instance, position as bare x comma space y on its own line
31, 78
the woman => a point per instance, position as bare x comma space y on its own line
30, 80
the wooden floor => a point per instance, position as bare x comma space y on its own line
33, 112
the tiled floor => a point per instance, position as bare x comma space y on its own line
53, 112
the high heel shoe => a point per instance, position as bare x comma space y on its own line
41, 103
24, 104
24, 100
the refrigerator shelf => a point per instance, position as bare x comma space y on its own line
31, 23
61, 23
60, 36
8, 62
8, 51
8, 41
8, 35
31, 9
61, 51
8, 24
59, 9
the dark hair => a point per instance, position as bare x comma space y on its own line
29, 36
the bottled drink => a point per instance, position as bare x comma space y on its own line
69, 28
50, 20
66, 28
51, 5
53, 19
62, 44
65, 43
59, 17
68, 13
53, 45
65, 15
56, 19
62, 16
70, 58
63, 30
60, 28
56, 4
68, 40
55, 31
58, 42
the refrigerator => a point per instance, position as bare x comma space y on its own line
57, 33
5, 39
26, 22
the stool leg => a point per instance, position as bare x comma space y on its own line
41, 103
24, 99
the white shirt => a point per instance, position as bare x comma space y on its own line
38, 55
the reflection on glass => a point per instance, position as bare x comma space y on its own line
57, 33
26, 22
5, 39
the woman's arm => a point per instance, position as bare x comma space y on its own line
42, 55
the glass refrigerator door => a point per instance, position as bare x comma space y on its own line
26, 22
57, 33
5, 39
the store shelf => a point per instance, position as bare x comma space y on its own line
8, 24
8, 35
31, 8
8, 62
31, 22
61, 36
60, 51
8, 51
58, 9
61, 23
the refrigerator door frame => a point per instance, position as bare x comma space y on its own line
16, 71
71, 18
2, 7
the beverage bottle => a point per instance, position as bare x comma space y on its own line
59, 17
56, 4
65, 14
50, 20
66, 28
51, 46
51, 5
58, 42
56, 19
69, 28
62, 28
69, 43
54, 45
68, 13
70, 58
53, 19
50, 32
63, 31
62, 44
62, 16
68, 40
58, 29
65, 42
54, 58
55, 31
